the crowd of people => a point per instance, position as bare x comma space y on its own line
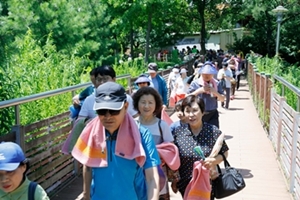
127, 142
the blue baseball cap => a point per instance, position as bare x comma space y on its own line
208, 69
11, 155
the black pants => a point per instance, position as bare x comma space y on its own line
212, 117
238, 79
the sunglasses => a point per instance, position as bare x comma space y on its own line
142, 83
111, 112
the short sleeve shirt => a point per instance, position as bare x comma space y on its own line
22, 192
185, 140
155, 131
123, 178
87, 107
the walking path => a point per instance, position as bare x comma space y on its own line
250, 151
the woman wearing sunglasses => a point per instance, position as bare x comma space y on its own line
141, 81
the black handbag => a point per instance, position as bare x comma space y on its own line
227, 183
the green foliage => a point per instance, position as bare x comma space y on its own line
259, 20
289, 72
34, 69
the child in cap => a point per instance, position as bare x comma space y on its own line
13, 181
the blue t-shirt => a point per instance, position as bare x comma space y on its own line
123, 178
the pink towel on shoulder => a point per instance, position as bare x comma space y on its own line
170, 154
199, 187
90, 148
166, 117
172, 99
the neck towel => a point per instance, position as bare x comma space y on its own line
170, 154
217, 146
166, 117
199, 187
90, 148
212, 81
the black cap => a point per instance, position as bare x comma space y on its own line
110, 95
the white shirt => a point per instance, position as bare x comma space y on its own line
87, 109
181, 84
227, 72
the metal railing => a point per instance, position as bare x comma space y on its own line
18, 101
290, 86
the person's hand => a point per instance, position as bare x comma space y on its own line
209, 163
174, 186
162, 162
164, 107
76, 103
86, 196
212, 90
206, 88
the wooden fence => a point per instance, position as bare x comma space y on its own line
282, 123
42, 142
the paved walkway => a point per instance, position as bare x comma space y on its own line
250, 151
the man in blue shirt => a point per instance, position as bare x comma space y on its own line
158, 82
109, 173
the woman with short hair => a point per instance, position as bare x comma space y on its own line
195, 133
148, 103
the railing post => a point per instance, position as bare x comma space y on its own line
255, 87
19, 130
278, 148
129, 84
262, 94
17, 115
298, 104
266, 99
294, 151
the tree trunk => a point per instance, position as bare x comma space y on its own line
131, 41
201, 8
269, 34
148, 35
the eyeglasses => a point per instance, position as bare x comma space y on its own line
102, 79
111, 112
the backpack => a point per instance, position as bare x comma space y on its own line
31, 190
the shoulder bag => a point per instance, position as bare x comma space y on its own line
227, 183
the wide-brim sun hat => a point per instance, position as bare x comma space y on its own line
207, 69
183, 71
142, 79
